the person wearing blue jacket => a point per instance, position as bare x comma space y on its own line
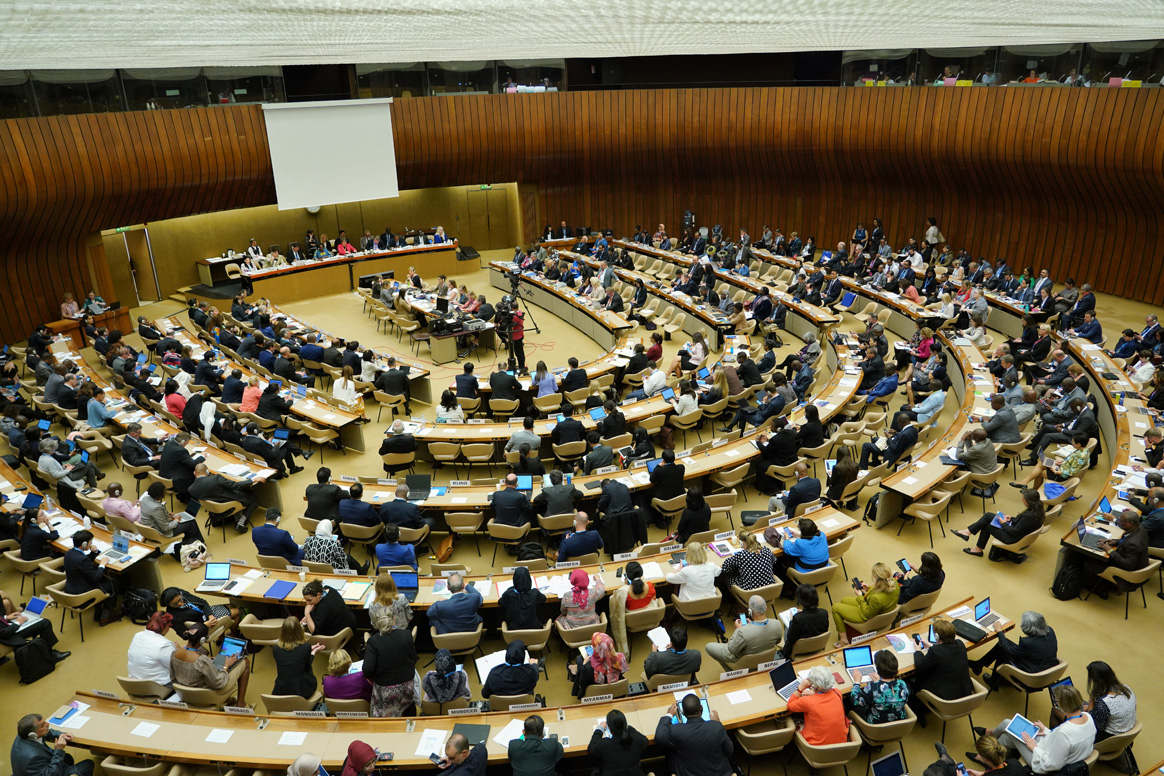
272, 540
458, 612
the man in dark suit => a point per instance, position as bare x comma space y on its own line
285, 369
676, 660
901, 437
575, 378
311, 351
398, 443
511, 506
599, 456
666, 481
136, 450
207, 374
832, 289
323, 498
467, 382
769, 405
1129, 552
694, 747
215, 487
458, 612
563, 231
942, 667
176, 463
12, 635
747, 371
32, 754
806, 489
614, 424
503, 384
1083, 420
402, 512
768, 360
1053, 373
570, 429
394, 382
615, 498
872, 368
356, 511
272, 540
232, 387
278, 457
637, 361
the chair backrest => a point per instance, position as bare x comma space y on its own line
750, 662
617, 689
878, 622
810, 645
638, 620
533, 639
202, 698
920, 603
503, 702
457, 642
507, 533
143, 689
580, 636
698, 607
286, 703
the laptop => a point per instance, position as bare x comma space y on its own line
597, 413
1089, 540
525, 483
651, 464
889, 765
668, 394
982, 614
119, 552
301, 391
1105, 505
703, 374
859, 663
282, 434
230, 646
419, 486
784, 679
217, 577
33, 612
1066, 682
407, 583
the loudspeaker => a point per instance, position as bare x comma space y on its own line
468, 253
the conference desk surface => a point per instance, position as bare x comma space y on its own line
178, 734
832, 522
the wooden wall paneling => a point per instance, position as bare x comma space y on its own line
1150, 159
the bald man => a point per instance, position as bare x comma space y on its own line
805, 490
286, 370
208, 486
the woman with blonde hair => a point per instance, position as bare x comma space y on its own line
696, 578
251, 395
869, 601
293, 655
340, 683
718, 389
389, 603
390, 664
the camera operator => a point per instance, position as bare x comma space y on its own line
517, 337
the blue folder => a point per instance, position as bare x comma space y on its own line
280, 589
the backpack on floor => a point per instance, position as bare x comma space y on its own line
870, 515
34, 660
139, 604
1068, 582
530, 551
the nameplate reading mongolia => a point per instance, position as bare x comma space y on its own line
309, 714
567, 564
864, 637
104, 694
525, 706
291, 567
733, 674
624, 556
724, 535
345, 572
910, 620
460, 712
599, 698
673, 686
769, 664
381, 481
242, 711
670, 548
351, 714
173, 704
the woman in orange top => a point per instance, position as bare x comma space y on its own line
823, 709
251, 395
641, 593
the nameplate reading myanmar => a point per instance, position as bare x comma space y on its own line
670, 547
724, 535
525, 706
105, 694
733, 674
242, 711
309, 714
910, 620
601, 698
173, 704
624, 556
864, 637
345, 572
236, 562
460, 712
674, 686
567, 564
350, 714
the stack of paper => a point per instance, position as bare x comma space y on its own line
354, 591
652, 571
659, 638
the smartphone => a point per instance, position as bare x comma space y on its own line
384, 757
856, 583
565, 741
743, 619
961, 769
903, 564
436, 758
618, 573
917, 639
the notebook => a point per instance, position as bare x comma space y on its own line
280, 589
217, 577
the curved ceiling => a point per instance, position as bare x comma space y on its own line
166, 33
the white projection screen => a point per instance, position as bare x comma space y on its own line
324, 153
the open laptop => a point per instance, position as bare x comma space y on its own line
217, 577
597, 413
407, 583
784, 679
33, 612
1065, 682
651, 464
525, 483
982, 614
281, 435
668, 394
889, 765
859, 663
119, 552
419, 486
1089, 540
230, 646
703, 374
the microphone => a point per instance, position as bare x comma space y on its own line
978, 77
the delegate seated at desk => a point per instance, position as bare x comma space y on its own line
32, 754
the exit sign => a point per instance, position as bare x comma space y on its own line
122, 229
485, 186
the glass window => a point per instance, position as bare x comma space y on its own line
893, 65
76, 91
461, 78
16, 99
534, 75
225, 85
1046, 64
164, 87
402, 79
962, 64
1137, 60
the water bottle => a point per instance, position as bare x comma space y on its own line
87, 523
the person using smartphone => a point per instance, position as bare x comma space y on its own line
460, 759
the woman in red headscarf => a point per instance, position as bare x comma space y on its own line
578, 603
605, 666
361, 760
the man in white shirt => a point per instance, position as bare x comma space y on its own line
653, 383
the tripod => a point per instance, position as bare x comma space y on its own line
518, 292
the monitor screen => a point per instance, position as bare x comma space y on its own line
855, 657
418, 481
703, 373
405, 580
120, 543
442, 304
981, 609
215, 571
889, 765
35, 605
277, 383
782, 674
525, 482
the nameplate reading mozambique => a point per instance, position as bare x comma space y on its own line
308, 714
673, 686
345, 572
351, 714
242, 711
525, 706
105, 694
670, 547
910, 620
733, 674
624, 556
173, 704
236, 562
460, 712
600, 698
724, 535
864, 637
769, 664
348, 478
291, 567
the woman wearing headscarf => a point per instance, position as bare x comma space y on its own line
304, 765
361, 760
515, 676
605, 666
324, 547
578, 603
519, 604
445, 683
